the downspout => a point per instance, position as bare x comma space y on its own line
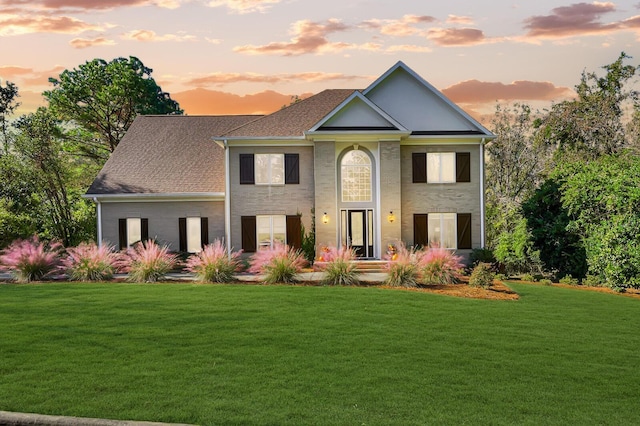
227, 200
99, 219
482, 212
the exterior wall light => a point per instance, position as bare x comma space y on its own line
325, 218
391, 217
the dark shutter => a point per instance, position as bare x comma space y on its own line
144, 229
247, 175
419, 162
463, 167
122, 233
420, 230
248, 225
294, 232
182, 234
204, 231
464, 230
291, 168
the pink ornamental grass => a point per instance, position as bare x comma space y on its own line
147, 261
440, 266
88, 262
402, 268
214, 264
339, 268
279, 264
31, 259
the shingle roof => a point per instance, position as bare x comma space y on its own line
168, 154
295, 119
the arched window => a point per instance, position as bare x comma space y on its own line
356, 176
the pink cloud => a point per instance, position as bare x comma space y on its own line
576, 19
207, 102
412, 48
399, 27
475, 91
308, 37
87, 4
463, 20
456, 36
220, 79
244, 6
151, 36
82, 43
17, 25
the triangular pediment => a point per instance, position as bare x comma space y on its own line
358, 113
418, 106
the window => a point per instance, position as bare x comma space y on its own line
356, 176
193, 233
131, 230
271, 230
441, 167
450, 230
269, 169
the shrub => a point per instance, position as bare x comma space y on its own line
31, 259
500, 277
148, 262
591, 281
403, 270
213, 264
546, 281
439, 266
483, 255
339, 268
88, 262
279, 264
482, 276
528, 277
568, 279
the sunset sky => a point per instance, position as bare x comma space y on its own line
251, 56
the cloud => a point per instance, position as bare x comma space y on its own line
456, 36
244, 6
462, 20
151, 36
475, 91
82, 43
398, 27
412, 48
11, 25
87, 4
220, 79
308, 37
28, 76
576, 19
8, 72
205, 102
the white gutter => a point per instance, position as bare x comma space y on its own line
482, 208
155, 196
227, 198
99, 220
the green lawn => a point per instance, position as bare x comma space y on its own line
245, 354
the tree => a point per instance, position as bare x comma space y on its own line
104, 98
8, 104
593, 124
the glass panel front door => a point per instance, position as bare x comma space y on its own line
357, 227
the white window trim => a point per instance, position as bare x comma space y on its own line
271, 227
342, 178
269, 170
441, 219
440, 157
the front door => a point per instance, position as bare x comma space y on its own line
358, 227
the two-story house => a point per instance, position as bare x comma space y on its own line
397, 161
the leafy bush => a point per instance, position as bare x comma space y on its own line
500, 277
279, 264
483, 255
439, 266
147, 262
339, 268
403, 270
31, 259
528, 277
309, 239
546, 281
482, 276
88, 262
213, 264
568, 279
591, 281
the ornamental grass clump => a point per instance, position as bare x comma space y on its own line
279, 264
88, 262
440, 266
339, 268
148, 262
213, 264
481, 276
31, 259
402, 268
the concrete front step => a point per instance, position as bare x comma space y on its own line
370, 266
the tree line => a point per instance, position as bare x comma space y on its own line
563, 192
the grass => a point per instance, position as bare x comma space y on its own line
233, 354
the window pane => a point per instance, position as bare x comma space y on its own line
277, 168
194, 244
434, 228
449, 232
433, 167
262, 168
448, 167
279, 229
356, 176
134, 230
263, 227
